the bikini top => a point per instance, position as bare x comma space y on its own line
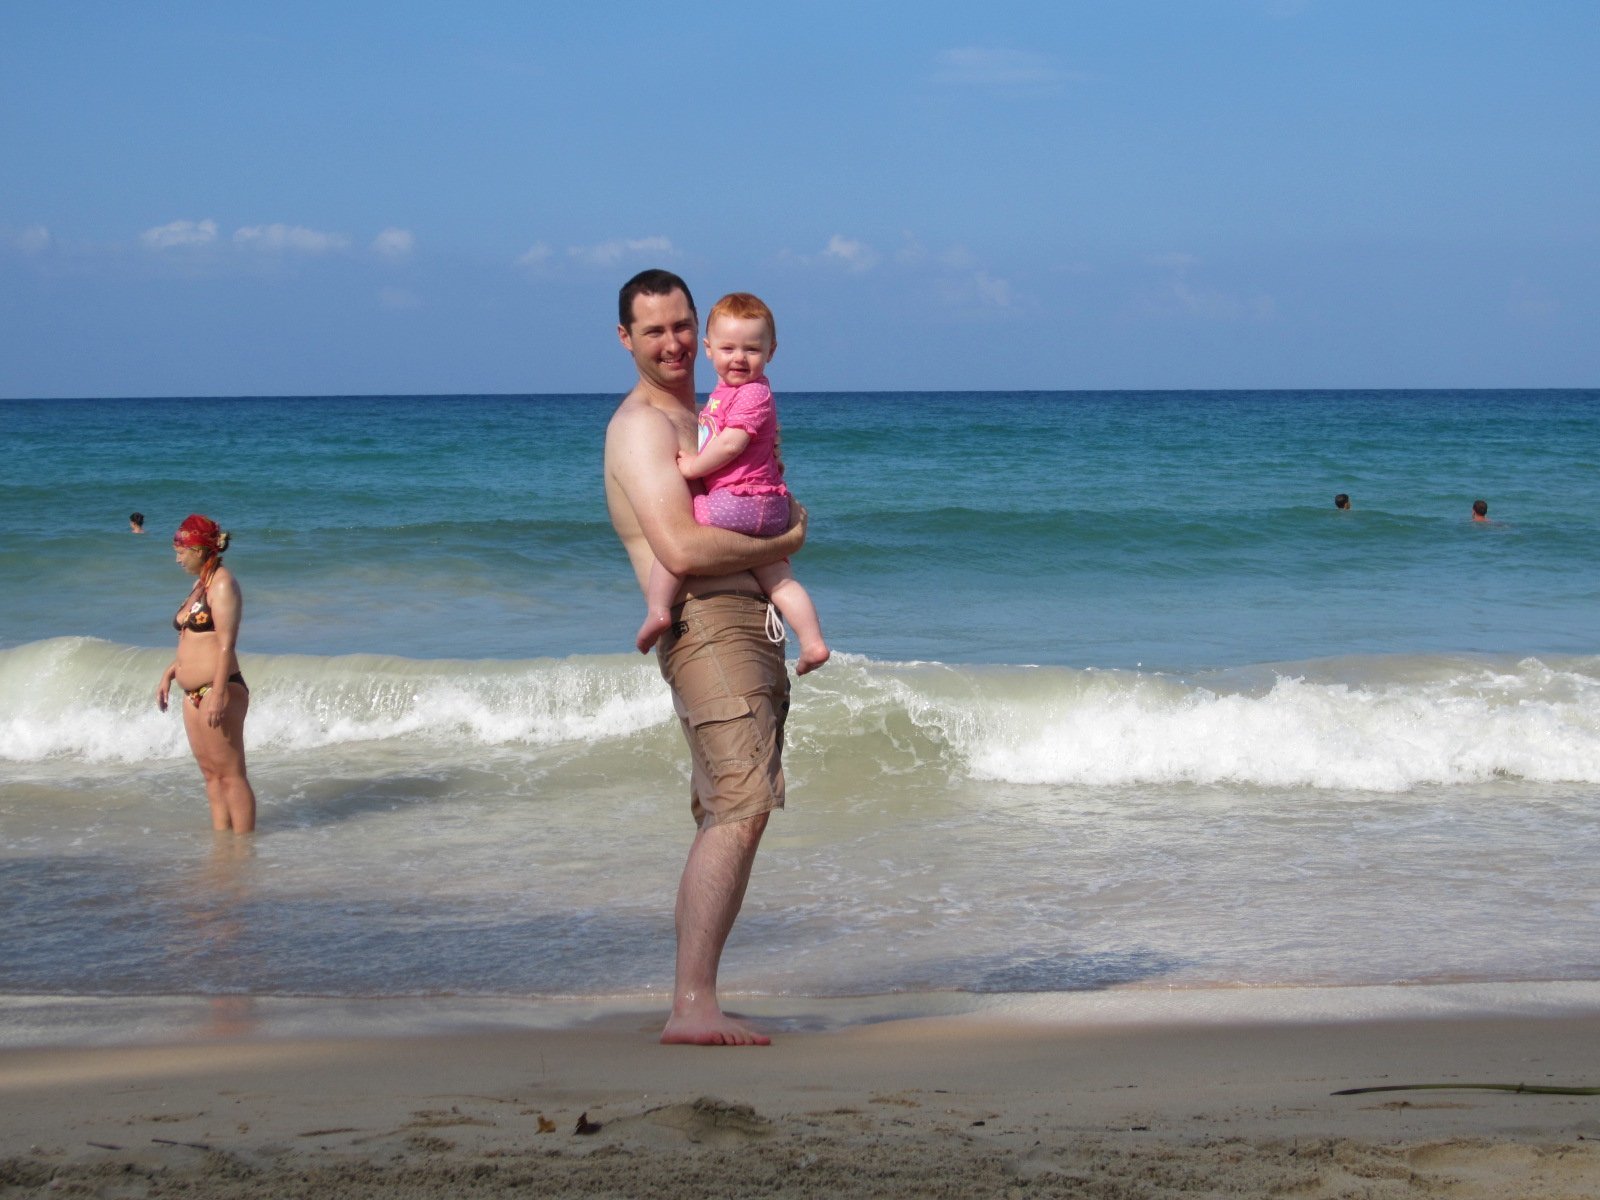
198, 619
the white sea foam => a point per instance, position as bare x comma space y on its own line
948, 830
79, 698
1380, 725
1376, 725
1299, 733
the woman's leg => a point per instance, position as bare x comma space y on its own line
219, 752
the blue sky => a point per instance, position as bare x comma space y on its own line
330, 198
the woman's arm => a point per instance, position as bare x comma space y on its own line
227, 606
165, 686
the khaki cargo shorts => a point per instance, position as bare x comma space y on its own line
730, 688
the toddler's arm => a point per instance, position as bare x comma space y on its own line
718, 453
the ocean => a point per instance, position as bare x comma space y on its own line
1119, 701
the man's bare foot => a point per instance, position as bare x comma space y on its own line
715, 1029
655, 624
811, 657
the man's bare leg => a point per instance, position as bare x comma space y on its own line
709, 897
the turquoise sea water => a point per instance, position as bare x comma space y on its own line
1120, 698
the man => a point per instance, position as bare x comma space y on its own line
729, 683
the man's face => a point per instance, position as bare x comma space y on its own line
663, 339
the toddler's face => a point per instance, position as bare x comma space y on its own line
739, 348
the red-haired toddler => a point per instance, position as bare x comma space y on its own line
737, 462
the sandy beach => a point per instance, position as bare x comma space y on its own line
935, 1106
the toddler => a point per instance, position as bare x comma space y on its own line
738, 463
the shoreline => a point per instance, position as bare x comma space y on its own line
67, 1022
975, 1103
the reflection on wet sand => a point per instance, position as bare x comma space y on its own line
216, 907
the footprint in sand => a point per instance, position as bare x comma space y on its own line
707, 1121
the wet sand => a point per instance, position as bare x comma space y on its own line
937, 1106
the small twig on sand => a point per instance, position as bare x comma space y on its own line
1481, 1087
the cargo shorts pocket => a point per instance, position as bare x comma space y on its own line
725, 737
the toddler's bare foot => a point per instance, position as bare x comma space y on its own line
812, 657
655, 624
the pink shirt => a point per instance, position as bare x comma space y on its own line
749, 407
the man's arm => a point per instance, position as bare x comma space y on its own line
644, 463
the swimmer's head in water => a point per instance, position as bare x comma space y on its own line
1341, 501
1480, 508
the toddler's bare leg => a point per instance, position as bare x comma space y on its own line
794, 602
658, 594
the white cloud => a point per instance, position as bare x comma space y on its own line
394, 243
33, 240
399, 299
980, 66
538, 254
856, 256
954, 274
609, 254
1207, 302
993, 292
1183, 296
911, 252
180, 233
296, 238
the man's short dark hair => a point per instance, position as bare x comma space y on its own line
1481, 507
1341, 501
654, 282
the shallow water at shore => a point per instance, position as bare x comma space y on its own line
512, 829
1211, 733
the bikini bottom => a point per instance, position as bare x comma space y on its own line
199, 693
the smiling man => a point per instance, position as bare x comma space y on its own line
729, 684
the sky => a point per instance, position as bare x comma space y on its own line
426, 198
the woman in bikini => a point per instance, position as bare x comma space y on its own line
207, 669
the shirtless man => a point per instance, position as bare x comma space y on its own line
729, 683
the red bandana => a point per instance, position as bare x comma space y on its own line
198, 531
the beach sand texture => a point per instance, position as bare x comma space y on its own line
924, 1107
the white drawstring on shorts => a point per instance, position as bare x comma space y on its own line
774, 625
